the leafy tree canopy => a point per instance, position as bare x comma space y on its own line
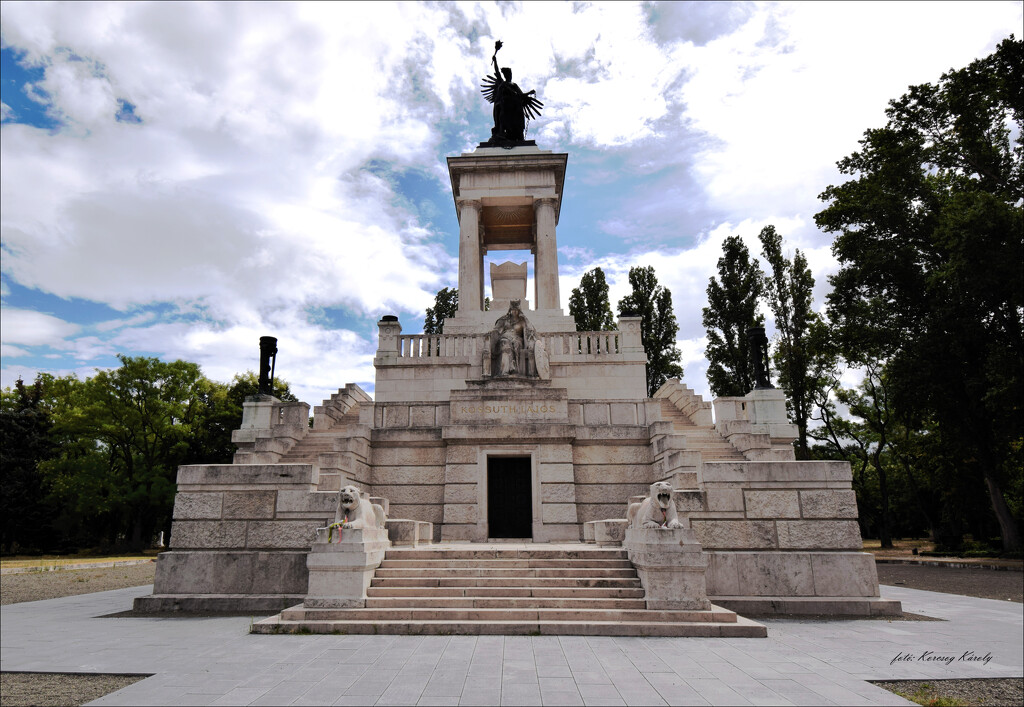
930, 238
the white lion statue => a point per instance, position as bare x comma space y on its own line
658, 510
353, 512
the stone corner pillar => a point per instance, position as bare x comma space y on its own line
389, 329
546, 264
630, 332
340, 572
671, 565
471, 285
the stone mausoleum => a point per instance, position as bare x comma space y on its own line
505, 453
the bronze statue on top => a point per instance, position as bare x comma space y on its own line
758, 347
513, 109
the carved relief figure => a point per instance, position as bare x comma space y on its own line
510, 346
658, 510
353, 512
540, 356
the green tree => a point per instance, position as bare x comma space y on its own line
790, 294
867, 441
731, 310
446, 304
589, 304
245, 384
930, 238
125, 433
25, 441
653, 304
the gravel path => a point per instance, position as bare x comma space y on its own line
973, 582
33, 586
26, 689
997, 691
73, 689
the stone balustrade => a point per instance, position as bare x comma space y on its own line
439, 345
456, 346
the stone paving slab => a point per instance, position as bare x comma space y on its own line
216, 661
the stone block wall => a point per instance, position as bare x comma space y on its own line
782, 531
408, 467
239, 529
610, 464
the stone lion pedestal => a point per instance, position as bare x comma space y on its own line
671, 567
340, 572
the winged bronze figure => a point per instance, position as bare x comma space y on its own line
513, 109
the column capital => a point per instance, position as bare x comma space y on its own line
471, 203
545, 201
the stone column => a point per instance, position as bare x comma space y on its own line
546, 267
470, 260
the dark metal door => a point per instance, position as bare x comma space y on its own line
509, 498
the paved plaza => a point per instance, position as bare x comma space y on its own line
215, 661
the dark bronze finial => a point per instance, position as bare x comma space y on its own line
268, 360
513, 109
758, 345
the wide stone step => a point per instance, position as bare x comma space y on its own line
503, 554
472, 571
743, 628
501, 603
524, 614
587, 563
540, 582
545, 592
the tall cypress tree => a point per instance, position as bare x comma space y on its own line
731, 310
653, 304
789, 291
446, 304
589, 304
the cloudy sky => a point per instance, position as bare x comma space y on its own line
180, 179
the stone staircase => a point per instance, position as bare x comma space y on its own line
705, 439
507, 589
338, 448
309, 448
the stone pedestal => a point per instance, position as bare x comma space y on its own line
671, 567
257, 411
340, 572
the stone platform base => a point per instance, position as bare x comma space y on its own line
710, 624
215, 603
833, 607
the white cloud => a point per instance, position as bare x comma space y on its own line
12, 351
793, 91
10, 374
112, 324
30, 328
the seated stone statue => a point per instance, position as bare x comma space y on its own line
658, 510
510, 346
353, 512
